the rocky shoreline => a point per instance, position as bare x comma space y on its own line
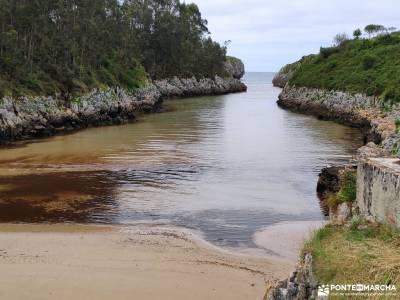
300, 285
356, 110
381, 137
28, 117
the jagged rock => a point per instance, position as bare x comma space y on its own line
280, 80
301, 285
285, 74
234, 67
371, 150
328, 180
43, 116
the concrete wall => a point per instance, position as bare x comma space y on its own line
378, 189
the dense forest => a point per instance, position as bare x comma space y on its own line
68, 47
368, 63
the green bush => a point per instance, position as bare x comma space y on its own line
369, 61
397, 123
326, 52
392, 95
31, 83
348, 190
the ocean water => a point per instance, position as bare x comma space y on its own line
224, 166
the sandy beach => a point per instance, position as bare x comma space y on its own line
139, 262
286, 238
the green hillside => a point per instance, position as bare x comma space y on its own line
360, 65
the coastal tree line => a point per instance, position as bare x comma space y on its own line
71, 46
371, 31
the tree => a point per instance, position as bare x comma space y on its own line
339, 39
374, 29
72, 46
357, 33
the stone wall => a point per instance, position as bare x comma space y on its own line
26, 117
378, 189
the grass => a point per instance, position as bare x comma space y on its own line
347, 192
360, 253
368, 66
348, 189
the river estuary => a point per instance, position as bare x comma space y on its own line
224, 166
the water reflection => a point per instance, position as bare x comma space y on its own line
226, 166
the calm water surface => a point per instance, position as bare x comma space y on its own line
225, 166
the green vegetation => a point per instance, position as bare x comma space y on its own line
360, 253
289, 69
397, 123
361, 65
233, 60
68, 47
348, 189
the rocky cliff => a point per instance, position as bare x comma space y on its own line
25, 117
234, 67
285, 74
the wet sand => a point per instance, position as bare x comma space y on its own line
139, 262
286, 238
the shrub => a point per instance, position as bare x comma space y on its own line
369, 61
31, 83
332, 65
392, 95
397, 123
348, 189
326, 52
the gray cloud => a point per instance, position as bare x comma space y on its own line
268, 34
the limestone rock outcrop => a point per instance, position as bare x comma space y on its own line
285, 74
234, 67
26, 117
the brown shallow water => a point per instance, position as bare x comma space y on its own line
226, 166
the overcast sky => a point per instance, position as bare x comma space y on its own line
268, 34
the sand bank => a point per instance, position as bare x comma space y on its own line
286, 239
141, 262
